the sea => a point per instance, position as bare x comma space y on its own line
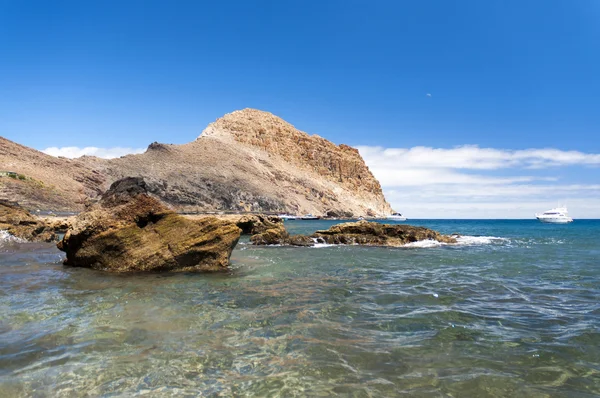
512, 310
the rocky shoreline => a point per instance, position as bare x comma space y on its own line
365, 233
131, 230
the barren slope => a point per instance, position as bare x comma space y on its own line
46, 182
246, 161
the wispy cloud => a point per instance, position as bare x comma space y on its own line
469, 181
106, 153
476, 158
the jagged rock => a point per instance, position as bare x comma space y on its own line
375, 234
265, 230
252, 224
273, 236
20, 223
129, 230
279, 236
300, 240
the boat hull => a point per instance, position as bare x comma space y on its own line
396, 218
283, 217
555, 220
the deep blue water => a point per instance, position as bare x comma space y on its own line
511, 311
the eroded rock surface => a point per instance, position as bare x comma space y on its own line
375, 234
366, 233
130, 230
253, 224
22, 224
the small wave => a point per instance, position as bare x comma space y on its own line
6, 237
424, 243
460, 241
320, 245
479, 240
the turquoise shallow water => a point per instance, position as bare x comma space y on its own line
512, 311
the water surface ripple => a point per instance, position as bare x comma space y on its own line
518, 315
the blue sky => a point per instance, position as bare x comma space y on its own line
506, 76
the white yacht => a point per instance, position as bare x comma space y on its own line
309, 217
558, 215
396, 217
287, 217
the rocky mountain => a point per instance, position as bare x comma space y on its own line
248, 160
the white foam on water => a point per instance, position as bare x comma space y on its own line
318, 245
463, 240
321, 245
424, 243
479, 240
6, 237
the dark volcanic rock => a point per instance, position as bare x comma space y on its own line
20, 223
129, 230
122, 191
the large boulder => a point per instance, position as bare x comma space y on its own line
22, 224
130, 230
375, 234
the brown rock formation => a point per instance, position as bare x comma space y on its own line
129, 230
355, 233
20, 223
375, 234
250, 224
273, 236
246, 161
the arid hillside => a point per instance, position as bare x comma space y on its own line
40, 181
248, 160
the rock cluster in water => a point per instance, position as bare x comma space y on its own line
366, 233
20, 223
130, 230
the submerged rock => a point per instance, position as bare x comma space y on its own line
375, 234
22, 224
129, 230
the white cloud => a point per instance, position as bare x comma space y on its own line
106, 153
474, 182
476, 158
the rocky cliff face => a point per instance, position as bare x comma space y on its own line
248, 160
341, 164
340, 169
